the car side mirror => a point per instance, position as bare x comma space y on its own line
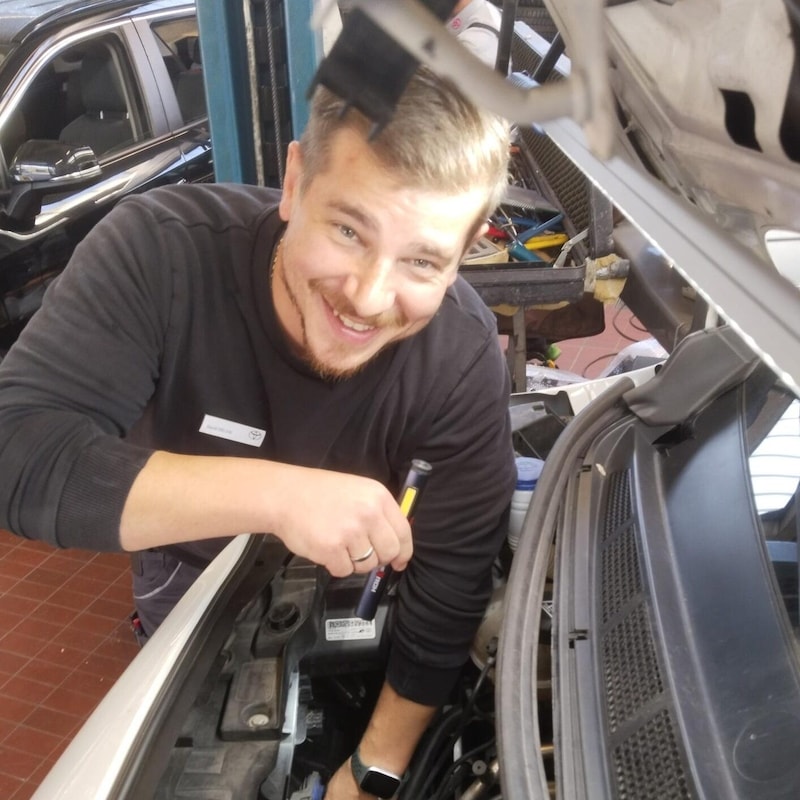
41, 167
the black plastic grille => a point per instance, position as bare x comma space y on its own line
647, 765
618, 503
647, 760
630, 668
619, 559
619, 567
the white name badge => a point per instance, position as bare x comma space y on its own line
233, 431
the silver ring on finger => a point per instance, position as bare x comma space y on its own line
364, 557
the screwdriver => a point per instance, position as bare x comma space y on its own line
415, 482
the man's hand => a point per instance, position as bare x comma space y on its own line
336, 519
342, 786
344, 522
388, 742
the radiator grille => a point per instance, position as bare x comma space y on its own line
565, 184
534, 13
525, 59
548, 169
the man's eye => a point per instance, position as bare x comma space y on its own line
347, 232
422, 263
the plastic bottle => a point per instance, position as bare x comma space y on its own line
528, 471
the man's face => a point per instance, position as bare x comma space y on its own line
364, 261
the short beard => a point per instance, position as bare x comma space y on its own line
303, 351
330, 375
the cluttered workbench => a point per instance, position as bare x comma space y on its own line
535, 257
513, 268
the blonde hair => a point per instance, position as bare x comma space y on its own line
436, 140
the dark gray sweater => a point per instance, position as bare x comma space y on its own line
164, 315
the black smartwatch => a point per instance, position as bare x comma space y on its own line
374, 780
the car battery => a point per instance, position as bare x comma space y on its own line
345, 642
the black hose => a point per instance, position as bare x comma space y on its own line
448, 785
422, 770
478, 683
429, 761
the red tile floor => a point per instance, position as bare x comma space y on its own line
64, 636
64, 639
591, 355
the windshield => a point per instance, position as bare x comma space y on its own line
774, 463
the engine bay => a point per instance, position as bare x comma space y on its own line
580, 677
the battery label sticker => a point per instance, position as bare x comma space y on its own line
342, 630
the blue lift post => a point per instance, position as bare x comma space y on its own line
223, 45
305, 52
226, 63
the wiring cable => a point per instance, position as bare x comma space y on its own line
430, 761
632, 322
448, 785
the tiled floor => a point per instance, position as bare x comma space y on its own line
590, 356
64, 636
64, 639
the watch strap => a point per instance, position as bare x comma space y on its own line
362, 773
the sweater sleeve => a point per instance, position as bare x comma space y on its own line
65, 403
459, 526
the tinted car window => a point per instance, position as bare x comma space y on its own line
180, 46
85, 95
105, 90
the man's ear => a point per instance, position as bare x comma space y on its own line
291, 180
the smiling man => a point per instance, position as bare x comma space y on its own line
226, 359
357, 281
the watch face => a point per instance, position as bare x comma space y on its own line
379, 783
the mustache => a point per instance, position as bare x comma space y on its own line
341, 305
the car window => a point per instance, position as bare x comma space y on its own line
179, 41
84, 95
774, 464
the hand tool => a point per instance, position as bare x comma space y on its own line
376, 581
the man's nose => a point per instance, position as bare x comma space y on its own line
370, 289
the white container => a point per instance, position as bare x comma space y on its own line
528, 471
